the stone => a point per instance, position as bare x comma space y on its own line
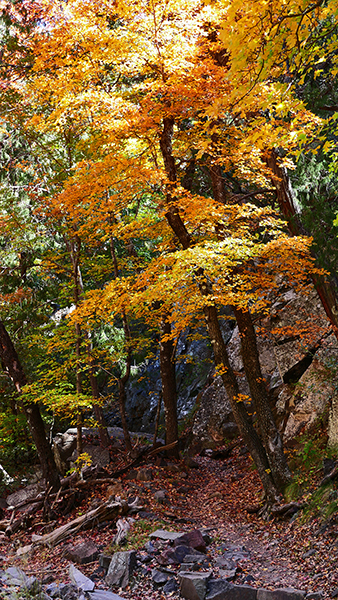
24, 550
15, 576
193, 585
104, 561
160, 496
228, 574
185, 566
314, 596
120, 569
151, 548
80, 580
221, 589
159, 577
182, 551
280, 594
162, 534
144, 475
83, 553
193, 538
67, 591
170, 586
103, 595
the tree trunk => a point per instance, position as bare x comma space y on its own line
122, 381
271, 438
169, 392
248, 433
13, 368
286, 204
98, 412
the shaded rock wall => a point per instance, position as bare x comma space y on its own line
298, 357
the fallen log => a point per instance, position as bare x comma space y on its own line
16, 524
105, 512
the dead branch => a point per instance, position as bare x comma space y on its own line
105, 512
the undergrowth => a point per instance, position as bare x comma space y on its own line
306, 462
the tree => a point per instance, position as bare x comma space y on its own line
157, 98
12, 366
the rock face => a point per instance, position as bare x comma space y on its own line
193, 364
297, 359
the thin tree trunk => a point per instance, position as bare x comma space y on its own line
98, 412
157, 419
169, 392
286, 204
13, 368
122, 381
248, 433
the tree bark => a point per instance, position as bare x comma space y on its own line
169, 392
286, 204
270, 435
14, 369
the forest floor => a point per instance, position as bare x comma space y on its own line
297, 553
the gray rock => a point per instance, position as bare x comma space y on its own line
228, 574
314, 596
193, 586
162, 534
80, 580
83, 553
120, 569
103, 595
194, 558
67, 591
15, 576
104, 561
170, 586
151, 548
160, 496
220, 589
159, 577
280, 594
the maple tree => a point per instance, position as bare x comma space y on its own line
159, 117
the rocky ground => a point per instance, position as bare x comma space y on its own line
210, 495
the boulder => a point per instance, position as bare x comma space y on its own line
193, 585
221, 589
103, 595
80, 580
120, 569
159, 577
193, 538
82, 553
165, 535
280, 594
